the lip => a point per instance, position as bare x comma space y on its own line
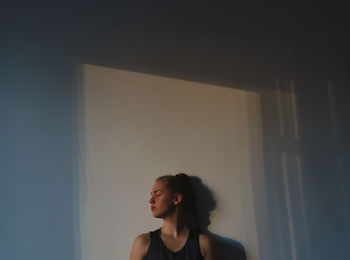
153, 207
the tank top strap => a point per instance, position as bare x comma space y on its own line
154, 250
155, 234
194, 245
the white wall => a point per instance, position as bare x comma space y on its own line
135, 127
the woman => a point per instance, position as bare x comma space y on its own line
172, 200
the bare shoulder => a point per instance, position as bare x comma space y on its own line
207, 247
140, 247
204, 238
143, 238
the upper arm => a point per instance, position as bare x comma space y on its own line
140, 247
207, 247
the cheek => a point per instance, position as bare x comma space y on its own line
160, 200
163, 201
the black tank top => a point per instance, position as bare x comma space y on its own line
158, 251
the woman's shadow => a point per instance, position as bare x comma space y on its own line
226, 248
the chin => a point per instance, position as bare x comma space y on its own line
155, 215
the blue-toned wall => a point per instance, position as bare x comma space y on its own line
36, 168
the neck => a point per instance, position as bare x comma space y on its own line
173, 227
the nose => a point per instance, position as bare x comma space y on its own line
151, 200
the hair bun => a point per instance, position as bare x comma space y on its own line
182, 175
184, 178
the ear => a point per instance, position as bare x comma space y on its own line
177, 198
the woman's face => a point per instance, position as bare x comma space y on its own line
162, 201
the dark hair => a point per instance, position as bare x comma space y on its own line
181, 183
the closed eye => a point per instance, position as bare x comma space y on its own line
156, 193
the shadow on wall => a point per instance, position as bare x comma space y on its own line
227, 248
